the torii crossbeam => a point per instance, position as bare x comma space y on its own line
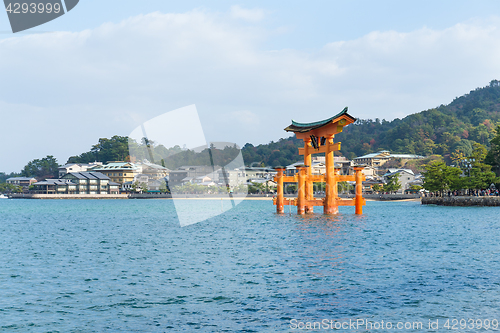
318, 138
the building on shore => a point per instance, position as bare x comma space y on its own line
78, 183
187, 173
145, 182
153, 171
24, 182
405, 178
379, 159
77, 167
119, 172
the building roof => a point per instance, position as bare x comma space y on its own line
117, 165
391, 172
306, 127
88, 175
207, 184
371, 155
406, 156
99, 175
155, 166
88, 165
387, 154
20, 178
314, 164
55, 182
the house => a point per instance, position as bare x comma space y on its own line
78, 183
189, 172
259, 172
77, 167
368, 185
405, 178
154, 171
24, 182
119, 172
369, 171
344, 165
55, 186
378, 159
232, 178
152, 185
202, 179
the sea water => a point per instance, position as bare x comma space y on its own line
128, 266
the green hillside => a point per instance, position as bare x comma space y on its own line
442, 130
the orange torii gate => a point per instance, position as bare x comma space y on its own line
318, 138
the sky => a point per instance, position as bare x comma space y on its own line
250, 67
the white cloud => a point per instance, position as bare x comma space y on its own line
251, 15
105, 81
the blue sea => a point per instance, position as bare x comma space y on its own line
128, 266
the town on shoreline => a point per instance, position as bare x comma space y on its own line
122, 179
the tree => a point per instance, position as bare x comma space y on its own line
416, 188
163, 187
136, 186
392, 184
439, 177
376, 188
493, 156
10, 188
344, 187
479, 174
46, 167
106, 150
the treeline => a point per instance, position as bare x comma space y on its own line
122, 148
469, 173
444, 130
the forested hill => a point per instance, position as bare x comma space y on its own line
442, 130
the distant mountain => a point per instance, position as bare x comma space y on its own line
442, 130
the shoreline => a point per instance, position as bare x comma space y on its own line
395, 198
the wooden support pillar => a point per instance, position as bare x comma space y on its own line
308, 162
301, 193
359, 190
280, 209
330, 205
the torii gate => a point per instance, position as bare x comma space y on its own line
318, 138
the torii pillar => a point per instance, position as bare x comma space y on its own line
331, 191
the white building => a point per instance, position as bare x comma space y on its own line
76, 167
405, 178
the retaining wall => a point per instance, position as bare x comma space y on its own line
462, 201
68, 196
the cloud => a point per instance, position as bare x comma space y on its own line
250, 15
245, 118
68, 89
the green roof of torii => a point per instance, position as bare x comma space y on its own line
306, 127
